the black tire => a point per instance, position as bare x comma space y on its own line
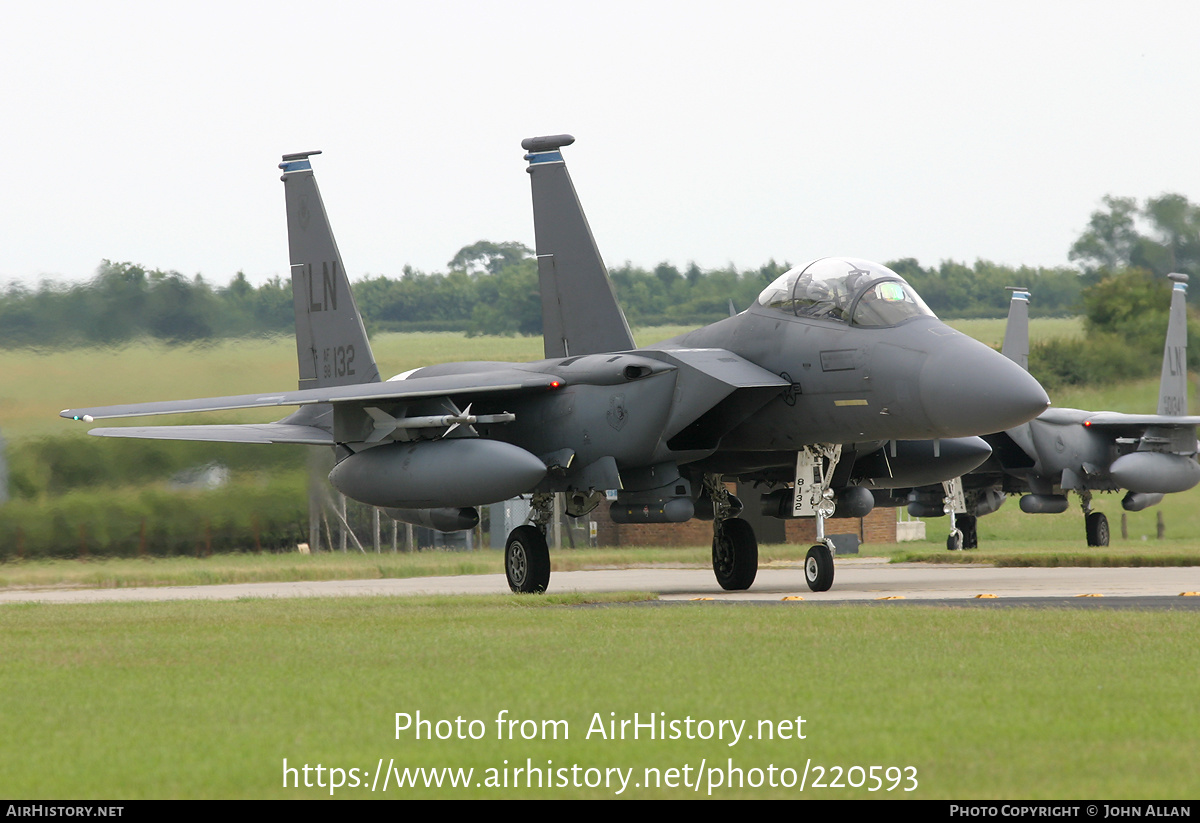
818, 568
735, 555
968, 525
1097, 529
954, 543
527, 560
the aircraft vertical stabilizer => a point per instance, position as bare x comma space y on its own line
1172, 390
580, 314
1016, 331
331, 343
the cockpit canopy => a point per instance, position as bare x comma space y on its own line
845, 289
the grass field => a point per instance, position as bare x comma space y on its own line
991, 330
195, 700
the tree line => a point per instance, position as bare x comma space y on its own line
492, 288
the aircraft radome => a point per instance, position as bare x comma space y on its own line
834, 359
1071, 450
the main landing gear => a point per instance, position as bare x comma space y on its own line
1095, 523
734, 554
964, 533
734, 546
526, 554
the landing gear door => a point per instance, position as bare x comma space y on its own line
814, 470
956, 500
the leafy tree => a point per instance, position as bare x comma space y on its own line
485, 256
515, 308
1161, 236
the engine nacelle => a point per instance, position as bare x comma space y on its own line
1155, 472
435, 474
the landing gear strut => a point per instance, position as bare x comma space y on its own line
1095, 523
526, 555
734, 547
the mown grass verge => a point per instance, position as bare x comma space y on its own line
203, 700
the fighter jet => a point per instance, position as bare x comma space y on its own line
581, 315
837, 351
1070, 450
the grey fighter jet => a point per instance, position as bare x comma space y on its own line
838, 351
1071, 450
580, 315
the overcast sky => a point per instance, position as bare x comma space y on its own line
709, 131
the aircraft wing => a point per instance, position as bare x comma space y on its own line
234, 433
450, 385
1117, 420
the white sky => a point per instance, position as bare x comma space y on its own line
710, 131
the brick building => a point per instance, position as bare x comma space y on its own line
877, 527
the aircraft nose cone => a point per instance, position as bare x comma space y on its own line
968, 388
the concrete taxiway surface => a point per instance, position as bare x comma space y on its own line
864, 579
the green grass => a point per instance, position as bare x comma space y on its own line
195, 700
991, 330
